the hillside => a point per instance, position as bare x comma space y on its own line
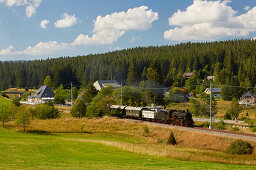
222, 59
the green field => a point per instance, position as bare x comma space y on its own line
4, 101
19, 151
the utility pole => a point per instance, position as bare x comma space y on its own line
210, 127
71, 94
10, 92
121, 94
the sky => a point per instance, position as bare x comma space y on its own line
41, 29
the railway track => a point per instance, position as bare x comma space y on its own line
236, 135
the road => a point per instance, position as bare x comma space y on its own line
217, 120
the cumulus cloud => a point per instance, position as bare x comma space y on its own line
66, 21
210, 20
42, 48
247, 8
30, 5
109, 28
43, 23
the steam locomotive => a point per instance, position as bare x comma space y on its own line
154, 114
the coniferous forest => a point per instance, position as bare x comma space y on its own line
231, 61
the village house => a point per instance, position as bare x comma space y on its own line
105, 83
211, 78
248, 98
216, 92
187, 75
42, 95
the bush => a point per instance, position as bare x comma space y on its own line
243, 118
220, 125
16, 101
146, 130
171, 140
79, 108
227, 116
235, 129
240, 147
206, 125
251, 124
4, 95
44, 111
253, 129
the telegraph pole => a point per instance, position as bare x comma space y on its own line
210, 127
71, 94
10, 92
121, 94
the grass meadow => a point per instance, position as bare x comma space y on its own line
38, 151
111, 143
4, 101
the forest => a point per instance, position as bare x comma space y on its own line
232, 62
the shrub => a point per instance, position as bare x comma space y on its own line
171, 140
220, 125
4, 95
235, 129
251, 125
240, 147
206, 124
227, 116
44, 111
253, 129
146, 130
79, 108
243, 118
16, 101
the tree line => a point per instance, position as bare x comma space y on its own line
231, 62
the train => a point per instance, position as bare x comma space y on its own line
154, 114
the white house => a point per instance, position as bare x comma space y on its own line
105, 83
216, 92
43, 94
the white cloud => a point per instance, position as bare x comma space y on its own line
31, 5
247, 8
42, 48
66, 21
133, 39
209, 20
109, 28
43, 23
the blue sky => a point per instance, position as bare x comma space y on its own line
40, 29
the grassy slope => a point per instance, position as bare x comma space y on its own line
52, 151
4, 101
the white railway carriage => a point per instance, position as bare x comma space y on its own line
148, 114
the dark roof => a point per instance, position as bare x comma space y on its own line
45, 92
249, 94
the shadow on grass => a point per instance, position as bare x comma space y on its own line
39, 132
76, 132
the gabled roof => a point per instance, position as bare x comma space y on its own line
105, 83
187, 74
45, 92
249, 94
214, 90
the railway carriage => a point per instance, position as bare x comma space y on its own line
172, 117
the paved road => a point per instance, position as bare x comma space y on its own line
217, 120
206, 131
